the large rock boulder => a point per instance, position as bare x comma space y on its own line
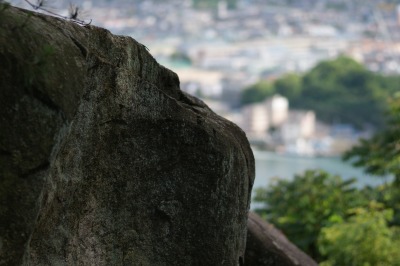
104, 161
267, 246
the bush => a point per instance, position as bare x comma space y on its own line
365, 239
303, 206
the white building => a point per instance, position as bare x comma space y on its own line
277, 108
299, 125
255, 119
258, 118
297, 133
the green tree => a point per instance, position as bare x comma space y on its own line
213, 4
380, 155
389, 195
303, 206
232, 4
290, 86
181, 57
390, 83
257, 92
364, 239
340, 90
343, 91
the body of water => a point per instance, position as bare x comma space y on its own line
270, 165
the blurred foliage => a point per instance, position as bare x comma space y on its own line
380, 155
289, 85
213, 4
303, 206
343, 91
334, 222
389, 195
181, 57
257, 92
339, 91
364, 239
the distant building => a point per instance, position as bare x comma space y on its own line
258, 118
277, 108
194, 81
299, 125
297, 133
321, 30
255, 119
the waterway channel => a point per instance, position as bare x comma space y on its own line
270, 165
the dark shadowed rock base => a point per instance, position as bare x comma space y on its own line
104, 161
267, 246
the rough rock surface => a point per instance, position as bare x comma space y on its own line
104, 161
267, 246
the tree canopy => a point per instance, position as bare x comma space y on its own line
339, 91
380, 155
231, 4
343, 91
257, 92
331, 220
303, 206
364, 239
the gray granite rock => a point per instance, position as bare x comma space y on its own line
267, 246
104, 161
